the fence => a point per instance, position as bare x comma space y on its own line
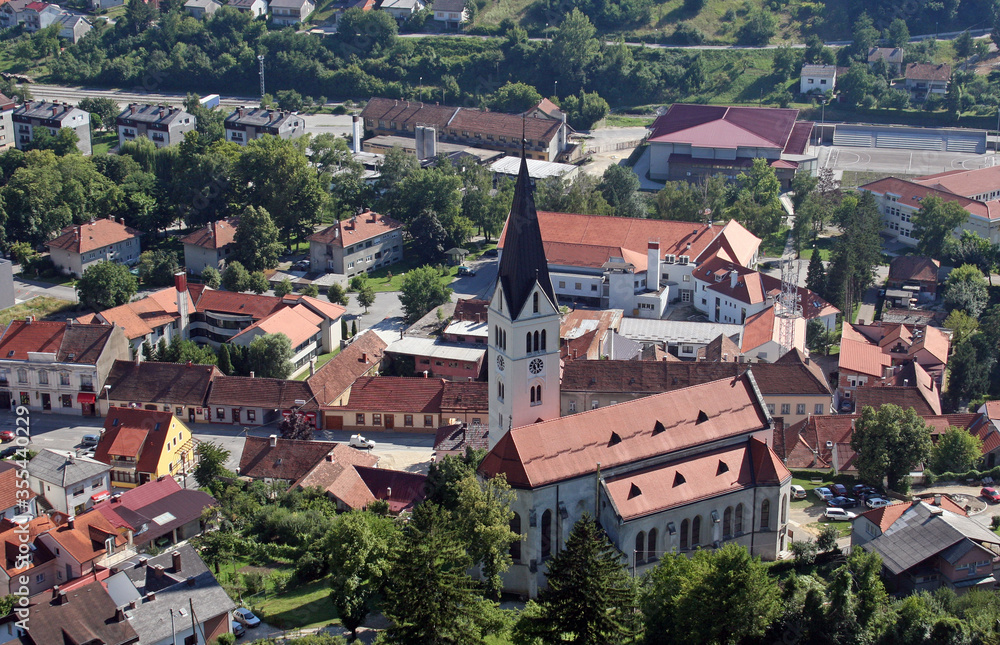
611, 147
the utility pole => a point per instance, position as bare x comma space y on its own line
260, 60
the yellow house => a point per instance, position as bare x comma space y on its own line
144, 445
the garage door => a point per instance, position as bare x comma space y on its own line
333, 422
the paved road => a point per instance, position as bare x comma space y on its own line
27, 289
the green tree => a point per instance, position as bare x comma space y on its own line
310, 290
256, 242
354, 327
574, 47
826, 541
787, 62
420, 292
283, 288
105, 285
956, 451
757, 206
225, 364
966, 289
105, 108
865, 36
585, 109
481, 517
818, 339
515, 98
211, 277
758, 29
366, 295
590, 598
898, 33
270, 356
212, 458
815, 274
934, 224
889, 442
969, 371
363, 32
257, 282
962, 326
620, 187
235, 277
139, 15
157, 268
345, 333
963, 45
972, 248
337, 294
680, 201
148, 353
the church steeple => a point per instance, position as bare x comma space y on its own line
523, 261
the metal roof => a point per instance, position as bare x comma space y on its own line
428, 347
675, 331
537, 169
62, 468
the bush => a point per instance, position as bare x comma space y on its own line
309, 568
805, 552
226, 639
687, 34
827, 540
254, 582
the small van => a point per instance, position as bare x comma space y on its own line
798, 492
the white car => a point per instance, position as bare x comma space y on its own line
877, 502
838, 514
798, 492
357, 441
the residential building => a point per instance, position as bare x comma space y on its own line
41, 568
925, 547
917, 275
7, 298
585, 334
454, 361
12, 12
817, 79
546, 138
40, 15
245, 125
868, 353
201, 9
163, 314
333, 381
210, 246
291, 12
402, 10
893, 57
451, 12
365, 242
143, 445
158, 513
792, 388
413, 404
73, 27
989, 432
13, 504
924, 79
57, 366
178, 388
680, 338
7, 137
81, 246
694, 142
351, 479
162, 124
83, 544
69, 484
284, 461
33, 115
762, 335
455, 439
255, 8
259, 401
84, 614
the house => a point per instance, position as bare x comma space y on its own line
454, 361
69, 484
143, 445
762, 335
456, 439
401, 9
792, 388
893, 57
925, 547
918, 275
40, 15
150, 591
694, 142
41, 569
7, 298
201, 9
351, 479
259, 401
409, 404
12, 13
285, 461
73, 28
84, 544
12, 503
209, 246
332, 382
291, 12
80, 246
33, 115
256, 8
451, 12
365, 242
546, 138
680, 338
178, 388
989, 432
158, 513
817, 79
869, 353
586, 334
924, 79
7, 138
908, 386
57, 366
245, 125
162, 124
468, 323
84, 614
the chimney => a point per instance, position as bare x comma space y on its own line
653, 265
734, 277
329, 458
273, 440
158, 571
190, 581
356, 134
132, 604
143, 562
425, 373
180, 284
132, 109
251, 373
120, 615
55, 592
175, 559
71, 522
312, 366
364, 357
151, 596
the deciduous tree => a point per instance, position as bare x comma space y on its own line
966, 289
956, 451
889, 442
270, 356
935, 223
256, 242
235, 277
105, 285
157, 268
422, 291
211, 277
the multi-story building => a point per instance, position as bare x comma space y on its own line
103, 240
57, 366
180, 388
245, 125
161, 124
144, 445
291, 12
254, 401
70, 484
924, 79
40, 15
7, 139
209, 245
451, 12
33, 115
360, 244
255, 8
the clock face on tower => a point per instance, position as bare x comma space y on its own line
500, 363
536, 366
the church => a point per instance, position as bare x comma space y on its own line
669, 473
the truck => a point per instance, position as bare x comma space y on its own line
211, 101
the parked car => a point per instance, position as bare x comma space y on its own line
990, 494
823, 493
238, 629
463, 270
877, 502
839, 490
842, 502
838, 514
490, 253
90, 439
246, 617
798, 492
6, 435
357, 441
8, 452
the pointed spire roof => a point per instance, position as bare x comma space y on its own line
523, 261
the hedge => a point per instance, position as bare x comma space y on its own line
930, 477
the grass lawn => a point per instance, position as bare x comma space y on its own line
381, 280
855, 178
825, 247
627, 121
40, 307
773, 245
302, 607
321, 360
50, 277
103, 141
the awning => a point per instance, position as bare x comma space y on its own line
86, 397
97, 497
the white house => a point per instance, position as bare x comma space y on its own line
817, 79
70, 484
451, 12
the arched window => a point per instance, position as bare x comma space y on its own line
784, 513
684, 535
534, 302
536, 341
536, 394
527, 342
496, 334
727, 522
546, 534
696, 531
765, 515
503, 339
532, 389
739, 519
543, 340
515, 547
640, 545
651, 546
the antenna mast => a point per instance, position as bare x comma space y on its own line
788, 307
260, 60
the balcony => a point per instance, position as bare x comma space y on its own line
122, 463
86, 388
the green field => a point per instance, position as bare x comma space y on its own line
40, 307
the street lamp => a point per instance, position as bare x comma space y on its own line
555, 89
420, 88
107, 392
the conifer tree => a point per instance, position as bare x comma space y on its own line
225, 363
816, 275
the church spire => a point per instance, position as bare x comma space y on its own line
523, 260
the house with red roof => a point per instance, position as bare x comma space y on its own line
144, 445
410, 404
253, 401
331, 384
360, 244
81, 246
694, 142
159, 512
210, 245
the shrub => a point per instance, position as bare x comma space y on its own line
309, 568
805, 552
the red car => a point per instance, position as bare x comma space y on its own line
6, 435
990, 494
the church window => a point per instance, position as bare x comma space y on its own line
765, 515
684, 535
651, 546
534, 302
546, 534
536, 395
527, 342
515, 547
727, 522
784, 505
543, 340
739, 519
696, 530
536, 341
640, 546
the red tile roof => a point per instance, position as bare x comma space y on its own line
928, 72
716, 126
812, 305
214, 236
299, 324
85, 541
465, 396
335, 474
886, 516
567, 447
289, 459
356, 229
10, 541
397, 394
133, 382
798, 140
132, 432
401, 489
353, 362
912, 267
922, 401
98, 234
142, 316
231, 302
10, 495
911, 193
759, 329
267, 393
71, 343
862, 357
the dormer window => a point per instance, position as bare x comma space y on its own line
684, 259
